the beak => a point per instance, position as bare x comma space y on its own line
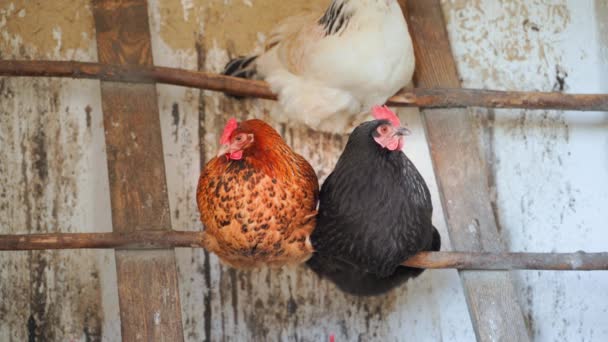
223, 150
402, 131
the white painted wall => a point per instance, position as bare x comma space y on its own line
550, 168
53, 178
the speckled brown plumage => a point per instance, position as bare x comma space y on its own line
259, 210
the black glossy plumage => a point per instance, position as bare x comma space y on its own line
375, 212
243, 67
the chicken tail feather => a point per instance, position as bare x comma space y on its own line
243, 67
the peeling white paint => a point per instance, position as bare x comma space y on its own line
52, 156
157, 319
187, 6
57, 37
75, 198
550, 168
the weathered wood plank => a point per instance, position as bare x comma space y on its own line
44, 155
51, 156
491, 296
149, 299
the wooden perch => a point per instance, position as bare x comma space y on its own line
143, 239
418, 97
579, 261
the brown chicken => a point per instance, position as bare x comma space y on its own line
257, 199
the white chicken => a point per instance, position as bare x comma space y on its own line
329, 69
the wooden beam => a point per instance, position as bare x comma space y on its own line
141, 239
493, 305
418, 97
138, 74
147, 280
579, 261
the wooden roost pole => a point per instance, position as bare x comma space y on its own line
417, 97
164, 239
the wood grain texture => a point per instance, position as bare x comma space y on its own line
149, 304
139, 239
418, 97
149, 299
51, 157
48, 157
491, 296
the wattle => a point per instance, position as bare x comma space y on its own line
238, 155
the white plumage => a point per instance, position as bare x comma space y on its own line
329, 69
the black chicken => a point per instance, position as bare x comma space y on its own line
375, 212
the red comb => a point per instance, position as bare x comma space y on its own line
384, 113
230, 127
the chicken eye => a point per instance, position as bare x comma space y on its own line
239, 138
383, 129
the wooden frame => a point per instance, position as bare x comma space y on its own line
125, 56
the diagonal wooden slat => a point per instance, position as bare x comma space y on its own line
147, 280
462, 179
